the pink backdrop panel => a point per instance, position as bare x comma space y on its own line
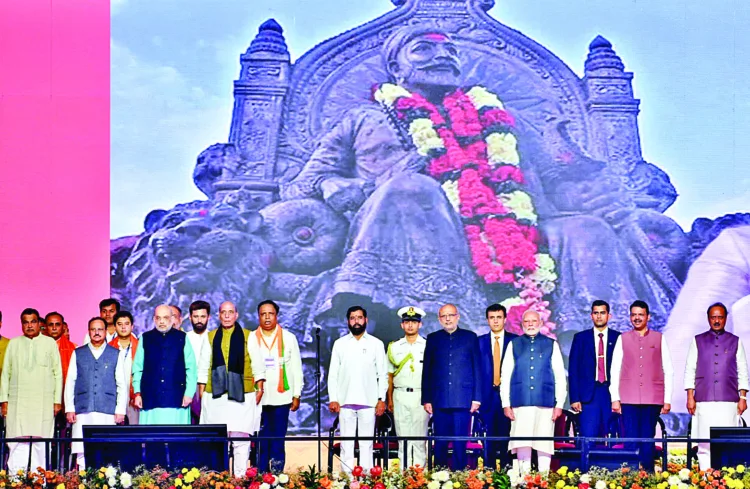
54, 157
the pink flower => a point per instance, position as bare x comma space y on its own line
493, 117
268, 478
354, 485
251, 472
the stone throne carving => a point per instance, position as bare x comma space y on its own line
282, 110
289, 249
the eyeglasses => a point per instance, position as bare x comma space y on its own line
447, 316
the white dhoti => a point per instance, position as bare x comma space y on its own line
711, 415
350, 418
532, 422
18, 458
411, 420
87, 419
242, 420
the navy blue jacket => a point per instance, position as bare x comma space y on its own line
485, 351
452, 373
582, 363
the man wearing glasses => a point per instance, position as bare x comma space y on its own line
451, 384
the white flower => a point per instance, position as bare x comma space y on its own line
520, 204
283, 478
450, 187
424, 136
112, 482
600, 484
441, 476
585, 479
275, 480
433, 485
388, 93
481, 97
682, 485
447, 485
684, 474
501, 148
673, 480
110, 472
126, 480
265, 486
512, 301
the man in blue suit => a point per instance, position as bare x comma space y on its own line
492, 348
451, 384
588, 369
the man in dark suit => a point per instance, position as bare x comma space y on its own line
589, 372
451, 384
492, 348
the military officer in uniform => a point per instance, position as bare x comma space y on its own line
405, 358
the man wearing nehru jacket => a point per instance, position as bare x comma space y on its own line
716, 380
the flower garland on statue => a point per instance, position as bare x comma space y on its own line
472, 152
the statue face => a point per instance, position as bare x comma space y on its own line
429, 60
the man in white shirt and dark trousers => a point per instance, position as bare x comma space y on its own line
357, 385
716, 380
280, 352
96, 391
200, 312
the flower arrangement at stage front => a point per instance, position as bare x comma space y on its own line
675, 477
472, 151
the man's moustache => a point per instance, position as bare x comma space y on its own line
440, 66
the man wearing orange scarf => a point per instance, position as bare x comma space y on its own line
280, 352
55, 321
127, 343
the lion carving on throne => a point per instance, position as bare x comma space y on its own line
431, 156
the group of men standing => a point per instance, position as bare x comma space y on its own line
251, 381
164, 377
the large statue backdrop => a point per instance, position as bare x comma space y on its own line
432, 155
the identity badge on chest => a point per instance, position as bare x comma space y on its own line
270, 363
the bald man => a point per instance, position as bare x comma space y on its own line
451, 383
533, 391
231, 385
164, 373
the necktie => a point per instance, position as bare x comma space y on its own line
496, 361
601, 375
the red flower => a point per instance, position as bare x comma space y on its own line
494, 117
507, 173
378, 485
376, 471
268, 478
255, 485
357, 471
251, 472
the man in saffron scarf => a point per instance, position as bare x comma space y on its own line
280, 353
234, 385
55, 329
127, 343
164, 373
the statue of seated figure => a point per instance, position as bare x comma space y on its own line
409, 242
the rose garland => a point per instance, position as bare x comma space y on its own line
473, 153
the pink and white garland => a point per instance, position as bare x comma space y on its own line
473, 153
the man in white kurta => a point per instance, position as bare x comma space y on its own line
200, 311
113, 391
234, 385
532, 363
405, 360
127, 343
278, 349
716, 380
357, 386
30, 391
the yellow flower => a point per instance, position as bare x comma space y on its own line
740, 469
481, 97
560, 484
81, 486
562, 470
388, 93
520, 204
189, 478
512, 301
61, 486
545, 275
178, 482
105, 486
456, 485
82, 473
188, 487
450, 187
184, 470
501, 148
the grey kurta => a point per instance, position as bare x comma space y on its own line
31, 383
